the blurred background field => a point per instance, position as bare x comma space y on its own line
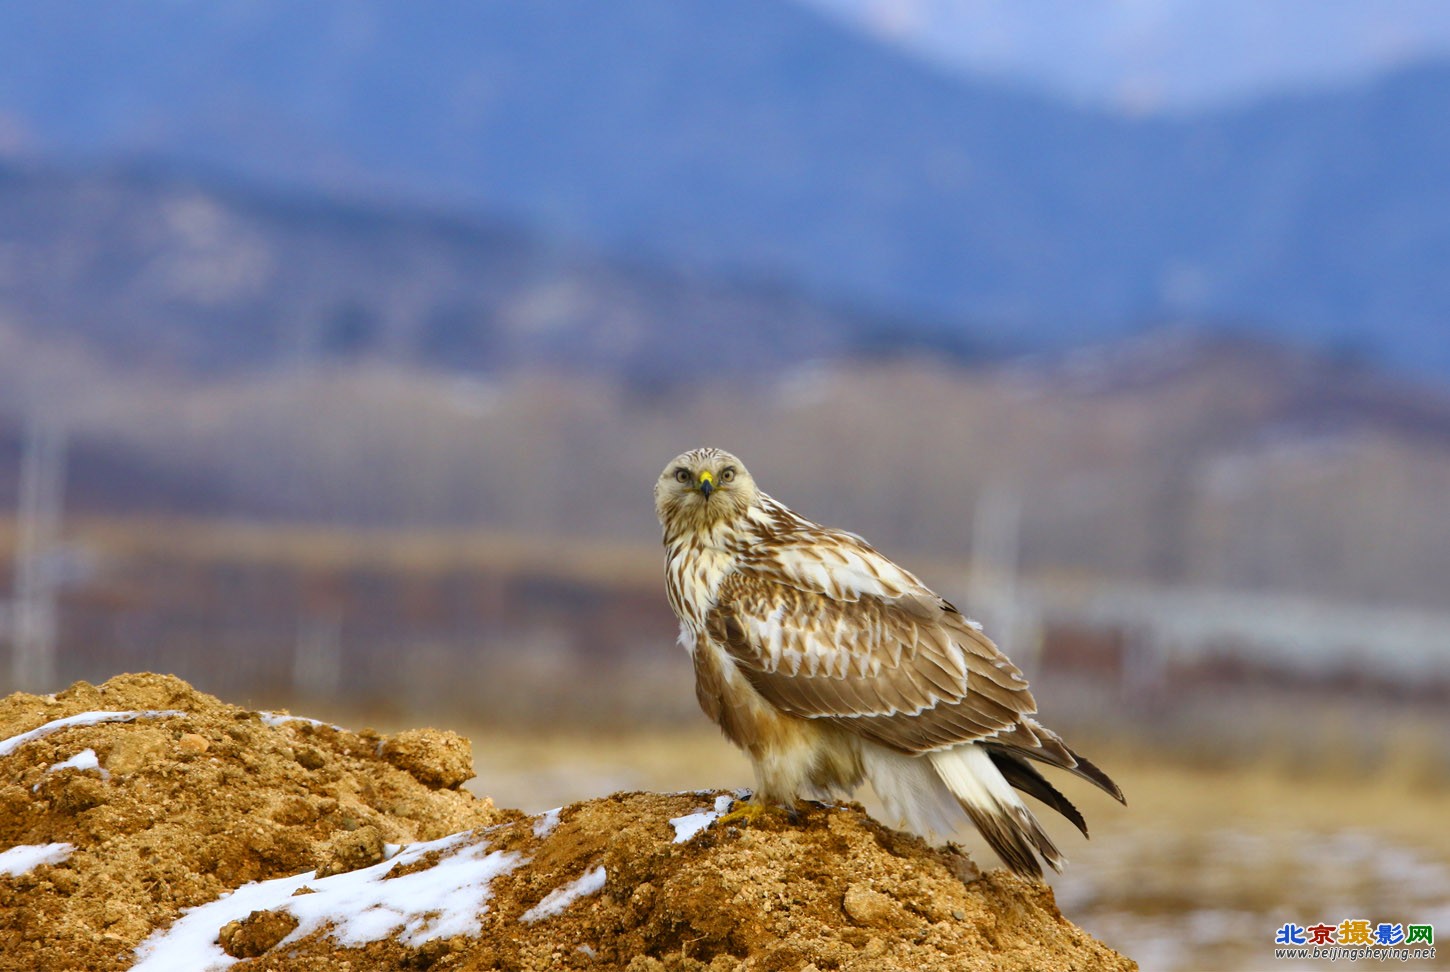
341, 343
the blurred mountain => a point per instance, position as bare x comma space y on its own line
1164, 56
160, 274
760, 137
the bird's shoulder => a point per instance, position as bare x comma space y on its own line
796, 577
787, 549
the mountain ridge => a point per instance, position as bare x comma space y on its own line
763, 138
203, 277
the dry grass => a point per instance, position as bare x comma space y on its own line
306, 546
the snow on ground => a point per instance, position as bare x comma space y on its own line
9, 746
545, 823
367, 905
275, 719
560, 898
26, 857
691, 824
361, 906
83, 760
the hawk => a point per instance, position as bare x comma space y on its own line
829, 665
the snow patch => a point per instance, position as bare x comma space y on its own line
275, 719
9, 746
560, 898
545, 822
27, 857
360, 906
691, 824
83, 760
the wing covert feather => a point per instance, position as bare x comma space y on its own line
896, 664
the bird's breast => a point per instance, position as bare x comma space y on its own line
693, 574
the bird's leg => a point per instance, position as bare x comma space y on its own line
745, 812
752, 812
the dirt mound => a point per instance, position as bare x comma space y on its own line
282, 837
181, 807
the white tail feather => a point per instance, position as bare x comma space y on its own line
968, 771
912, 792
1001, 816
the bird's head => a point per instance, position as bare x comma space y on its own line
701, 488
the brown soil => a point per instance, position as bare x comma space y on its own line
202, 803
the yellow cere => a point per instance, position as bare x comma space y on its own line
706, 477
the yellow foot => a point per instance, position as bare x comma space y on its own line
750, 813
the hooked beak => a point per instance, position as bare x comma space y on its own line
707, 484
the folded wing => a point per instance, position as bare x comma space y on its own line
825, 627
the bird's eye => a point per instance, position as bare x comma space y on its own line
682, 475
728, 474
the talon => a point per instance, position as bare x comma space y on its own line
750, 813
745, 812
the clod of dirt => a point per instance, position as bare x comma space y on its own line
256, 933
864, 906
635, 881
192, 744
350, 850
437, 758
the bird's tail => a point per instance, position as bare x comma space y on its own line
1001, 816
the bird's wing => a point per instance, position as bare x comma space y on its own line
824, 626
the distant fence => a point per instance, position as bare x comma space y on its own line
1148, 635
546, 638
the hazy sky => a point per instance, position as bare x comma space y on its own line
1163, 55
